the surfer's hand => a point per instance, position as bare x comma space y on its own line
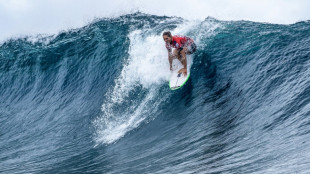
184, 71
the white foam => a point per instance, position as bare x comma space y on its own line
146, 68
24, 17
110, 127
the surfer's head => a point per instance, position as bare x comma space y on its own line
167, 36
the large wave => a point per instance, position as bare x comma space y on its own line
96, 99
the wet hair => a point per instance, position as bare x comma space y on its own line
167, 33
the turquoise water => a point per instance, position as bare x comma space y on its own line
96, 99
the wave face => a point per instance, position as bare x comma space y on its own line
96, 99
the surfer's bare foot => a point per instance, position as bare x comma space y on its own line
184, 71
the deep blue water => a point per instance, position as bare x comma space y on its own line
96, 99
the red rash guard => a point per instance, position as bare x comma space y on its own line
179, 42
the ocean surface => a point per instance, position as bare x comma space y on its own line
96, 99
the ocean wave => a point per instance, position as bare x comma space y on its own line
96, 99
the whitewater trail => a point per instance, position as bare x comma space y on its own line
144, 72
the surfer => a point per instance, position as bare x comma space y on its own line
183, 45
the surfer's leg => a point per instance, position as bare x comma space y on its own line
183, 61
176, 54
191, 49
183, 57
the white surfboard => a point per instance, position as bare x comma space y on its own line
177, 80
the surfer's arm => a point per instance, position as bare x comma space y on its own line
170, 57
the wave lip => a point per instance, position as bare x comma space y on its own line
31, 15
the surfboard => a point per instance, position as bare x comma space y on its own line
177, 80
